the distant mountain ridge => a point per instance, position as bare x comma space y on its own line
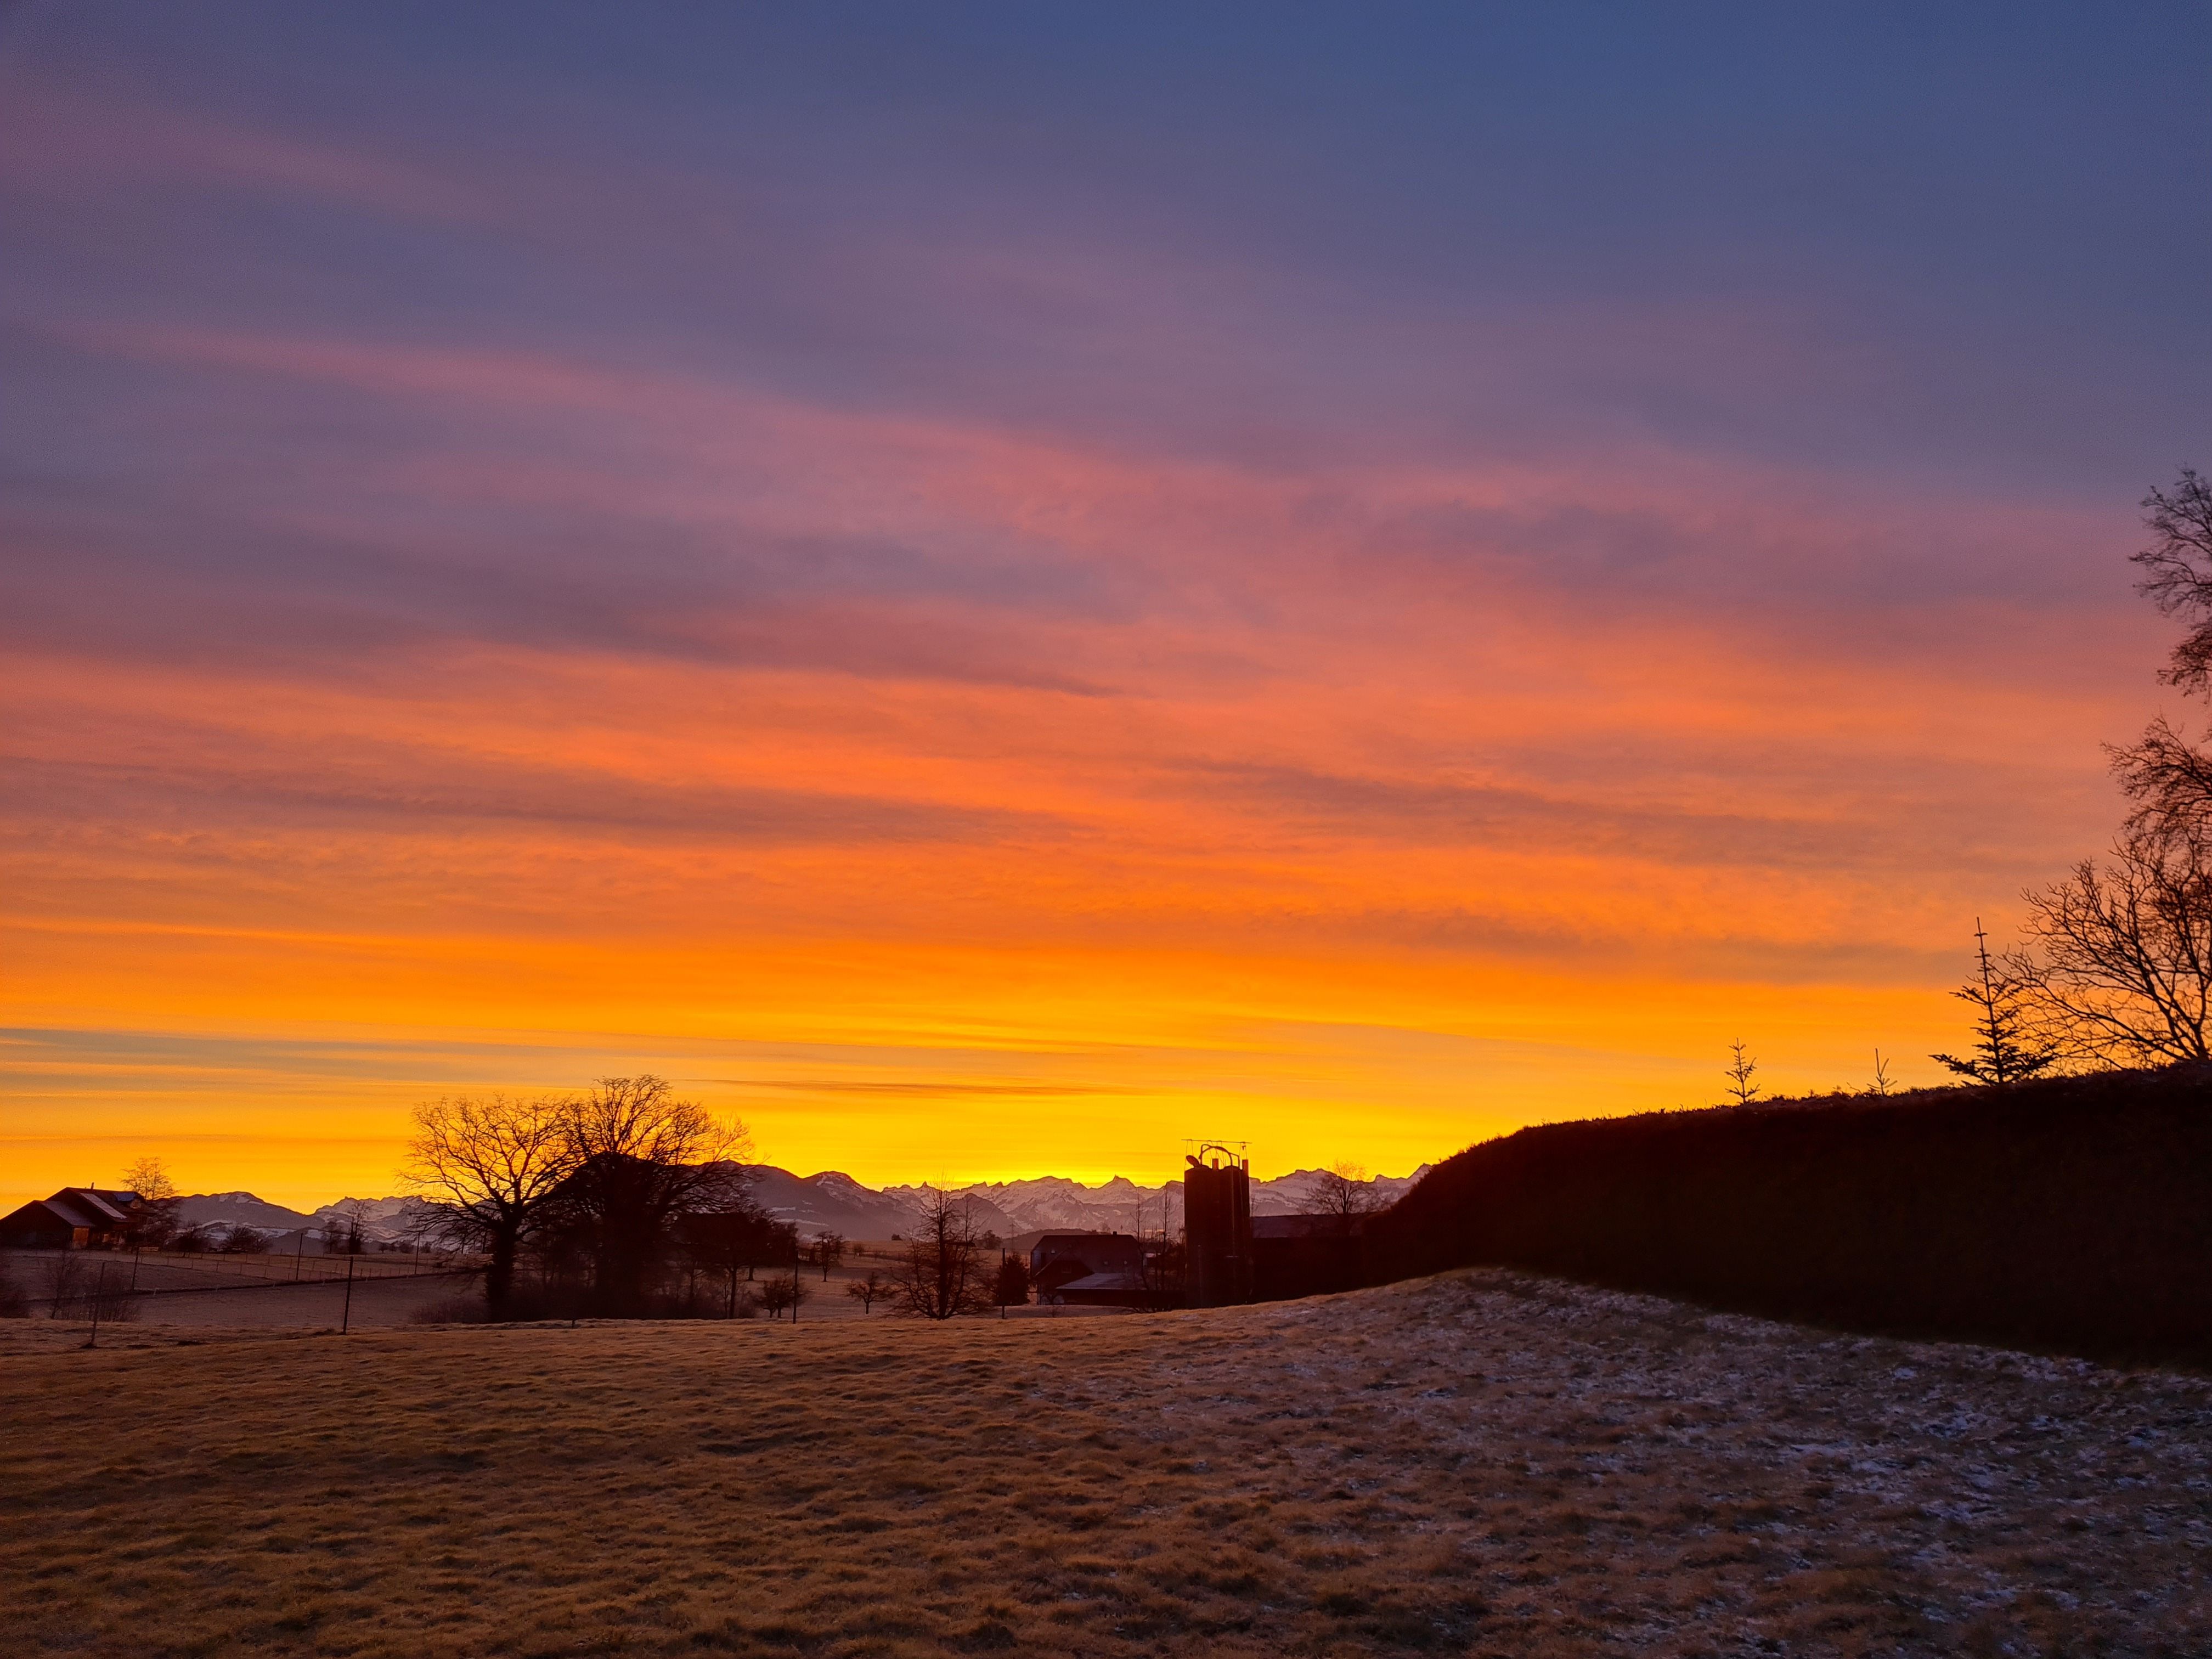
383, 1221
235, 1210
832, 1201
1046, 1203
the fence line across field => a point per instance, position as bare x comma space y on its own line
233, 1276
302, 1268
293, 1283
294, 1270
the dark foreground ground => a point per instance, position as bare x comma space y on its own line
1484, 1463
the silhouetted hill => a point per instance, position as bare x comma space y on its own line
2073, 1213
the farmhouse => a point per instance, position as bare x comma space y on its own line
76, 1218
1236, 1256
1100, 1269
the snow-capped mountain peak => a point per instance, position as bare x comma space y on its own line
833, 1201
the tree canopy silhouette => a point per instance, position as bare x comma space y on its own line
2116, 968
942, 1273
490, 1166
2178, 573
640, 1157
1343, 1194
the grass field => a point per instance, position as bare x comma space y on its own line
281, 1293
1484, 1463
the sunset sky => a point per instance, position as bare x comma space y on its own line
991, 587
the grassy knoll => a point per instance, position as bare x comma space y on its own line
1481, 1463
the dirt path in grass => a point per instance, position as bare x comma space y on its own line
1483, 1463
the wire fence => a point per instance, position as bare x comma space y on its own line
116, 1284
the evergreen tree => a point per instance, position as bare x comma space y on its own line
2004, 1051
1742, 1089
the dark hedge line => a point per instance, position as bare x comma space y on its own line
2072, 1215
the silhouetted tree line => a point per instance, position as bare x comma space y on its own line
626, 1201
620, 1201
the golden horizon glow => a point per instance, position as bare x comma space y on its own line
1001, 929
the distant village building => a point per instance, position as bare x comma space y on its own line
1090, 1269
1235, 1256
74, 1218
1229, 1256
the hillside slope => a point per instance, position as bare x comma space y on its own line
2073, 1214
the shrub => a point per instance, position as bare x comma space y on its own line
70, 1283
116, 1305
780, 1294
450, 1310
62, 1282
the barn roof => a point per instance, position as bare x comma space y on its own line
90, 1207
1103, 1282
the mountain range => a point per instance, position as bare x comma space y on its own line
381, 1219
831, 1201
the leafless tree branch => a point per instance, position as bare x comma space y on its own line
2118, 963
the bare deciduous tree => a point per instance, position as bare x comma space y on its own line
83, 1285
2177, 573
739, 1237
643, 1118
781, 1294
640, 1157
153, 1222
2117, 969
64, 1281
876, 1287
1343, 1193
2118, 965
942, 1271
2169, 780
2009, 1041
829, 1252
2167, 777
346, 1231
489, 1166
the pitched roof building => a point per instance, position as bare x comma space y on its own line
1105, 1268
75, 1217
